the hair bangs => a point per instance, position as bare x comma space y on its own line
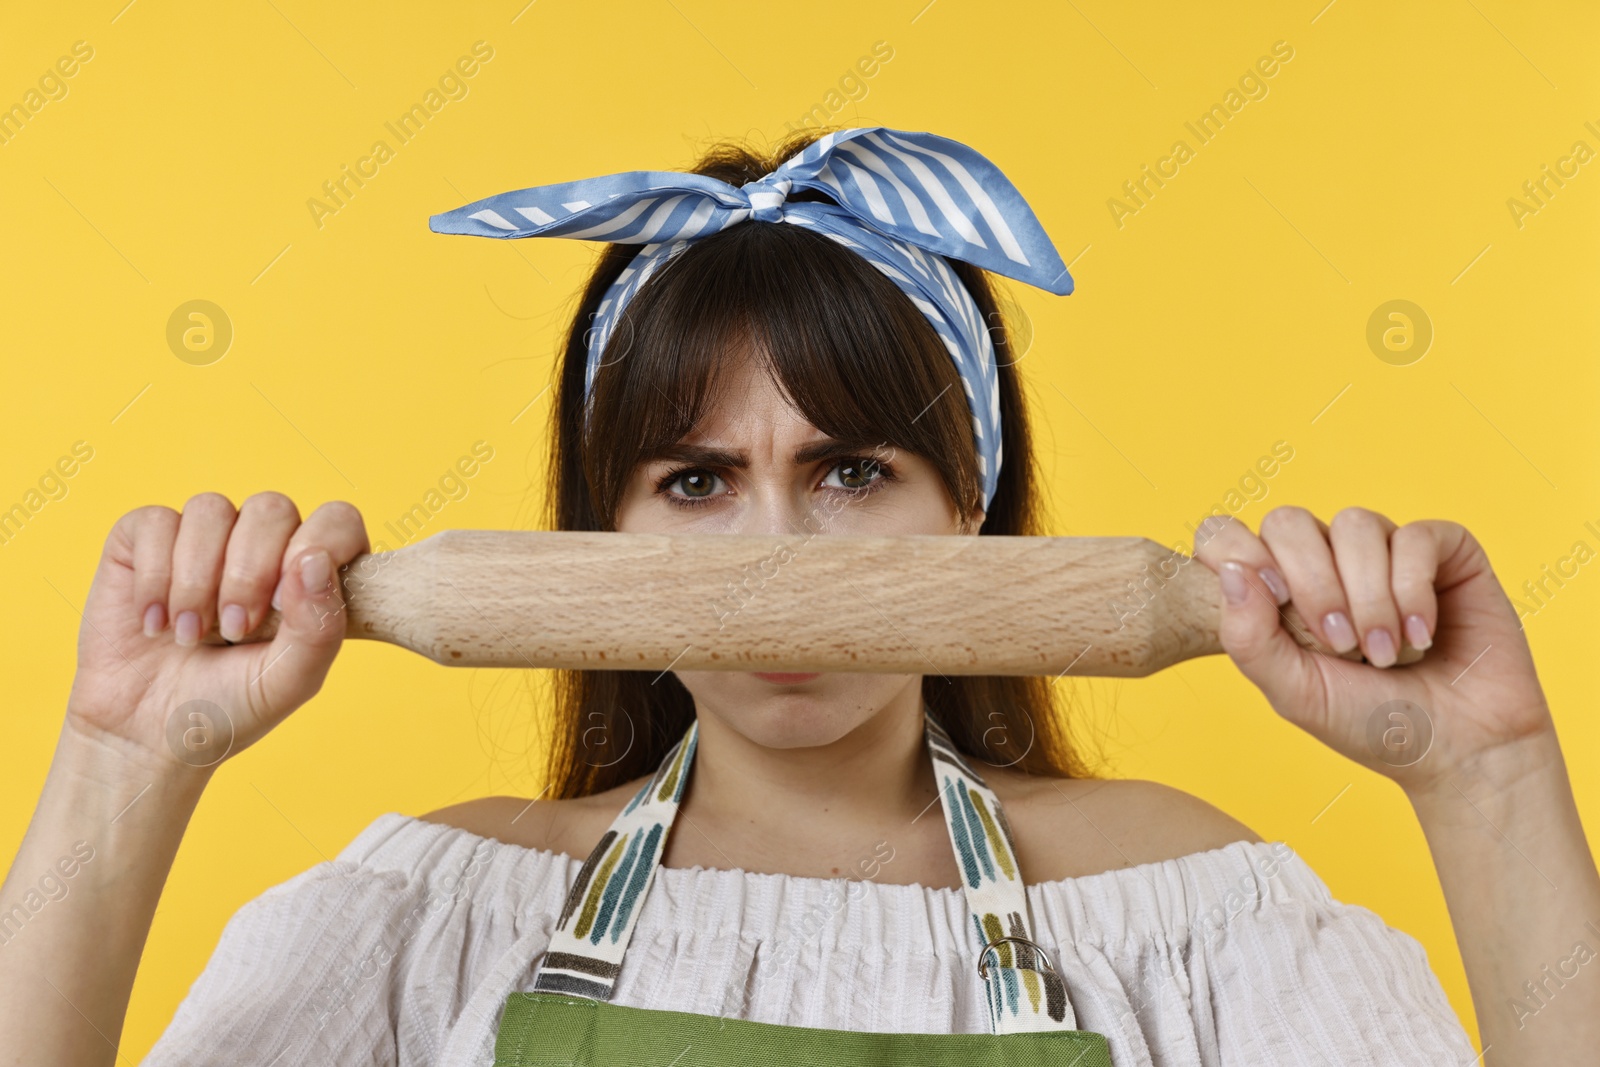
848, 349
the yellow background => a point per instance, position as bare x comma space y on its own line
369, 353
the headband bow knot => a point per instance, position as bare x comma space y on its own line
766, 198
904, 201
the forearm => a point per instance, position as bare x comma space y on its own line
76, 906
1524, 897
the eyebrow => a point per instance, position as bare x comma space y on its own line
739, 460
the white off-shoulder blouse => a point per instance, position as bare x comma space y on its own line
401, 951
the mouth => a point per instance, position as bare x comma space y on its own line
781, 678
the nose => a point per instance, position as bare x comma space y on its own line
778, 509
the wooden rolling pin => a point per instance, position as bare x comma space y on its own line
943, 604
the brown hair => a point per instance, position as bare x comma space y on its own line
823, 320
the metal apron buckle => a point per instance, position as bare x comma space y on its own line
983, 963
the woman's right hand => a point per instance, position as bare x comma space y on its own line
145, 685
155, 713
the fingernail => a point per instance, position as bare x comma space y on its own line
232, 622
155, 617
314, 571
1380, 647
1234, 587
187, 628
1417, 632
277, 598
1341, 635
1275, 582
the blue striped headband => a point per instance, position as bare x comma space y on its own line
900, 196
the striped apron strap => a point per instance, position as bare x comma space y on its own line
1024, 990
602, 907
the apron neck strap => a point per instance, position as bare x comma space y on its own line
1022, 988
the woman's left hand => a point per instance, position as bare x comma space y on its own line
1362, 578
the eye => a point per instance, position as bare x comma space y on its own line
859, 473
699, 486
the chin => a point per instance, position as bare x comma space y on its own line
794, 713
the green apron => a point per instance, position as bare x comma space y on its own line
566, 1020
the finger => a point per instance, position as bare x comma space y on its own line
1298, 540
154, 531
1251, 630
1360, 541
1414, 553
1251, 634
197, 555
291, 669
336, 525
254, 558
1221, 538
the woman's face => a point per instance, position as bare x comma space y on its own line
754, 465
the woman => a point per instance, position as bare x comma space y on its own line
774, 379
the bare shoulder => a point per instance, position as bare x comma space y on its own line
570, 826
1073, 827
